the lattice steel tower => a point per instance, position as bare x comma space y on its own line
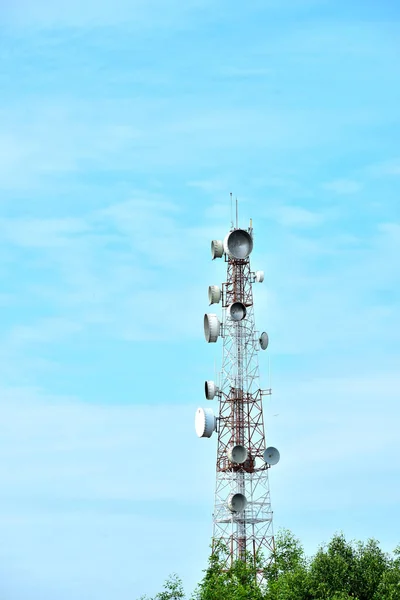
242, 512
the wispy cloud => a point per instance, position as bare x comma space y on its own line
245, 72
107, 265
384, 169
343, 186
140, 13
341, 285
43, 331
42, 233
63, 445
124, 128
87, 473
352, 432
296, 216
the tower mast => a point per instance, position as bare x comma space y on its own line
242, 518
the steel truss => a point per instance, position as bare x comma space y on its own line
241, 422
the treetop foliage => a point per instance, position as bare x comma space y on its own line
340, 570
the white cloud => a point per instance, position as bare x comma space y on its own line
245, 72
327, 294
137, 13
42, 233
391, 231
152, 135
100, 259
88, 473
140, 13
331, 433
210, 186
110, 266
335, 39
296, 216
57, 449
108, 263
82, 483
43, 331
388, 168
343, 186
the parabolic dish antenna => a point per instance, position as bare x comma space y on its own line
217, 249
211, 327
237, 454
205, 422
214, 294
237, 311
264, 340
210, 390
238, 244
271, 456
237, 502
259, 276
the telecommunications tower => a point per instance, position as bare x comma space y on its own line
242, 518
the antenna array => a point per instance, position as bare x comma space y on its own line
242, 516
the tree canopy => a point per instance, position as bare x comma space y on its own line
340, 570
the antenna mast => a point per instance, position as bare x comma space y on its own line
242, 509
237, 214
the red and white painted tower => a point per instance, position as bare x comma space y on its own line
242, 512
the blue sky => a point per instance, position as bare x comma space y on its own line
123, 128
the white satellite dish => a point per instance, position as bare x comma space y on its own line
237, 454
211, 327
237, 502
214, 294
271, 456
264, 340
238, 244
217, 249
237, 311
210, 389
259, 276
205, 422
